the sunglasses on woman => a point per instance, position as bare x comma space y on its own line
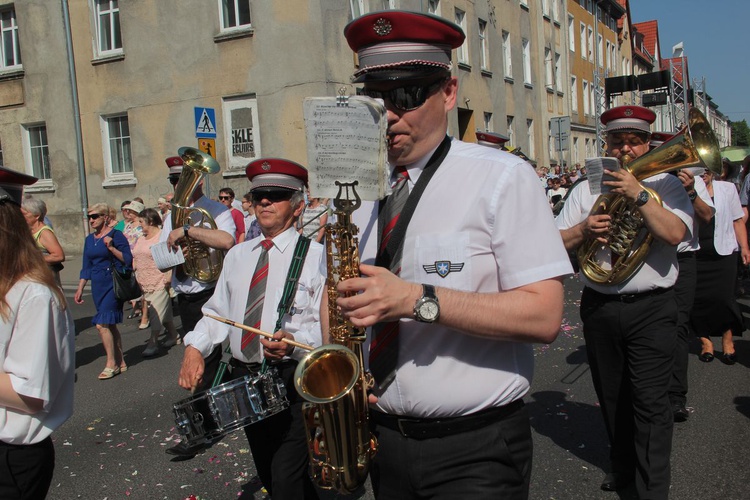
406, 98
94, 216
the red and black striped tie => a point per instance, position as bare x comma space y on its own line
254, 308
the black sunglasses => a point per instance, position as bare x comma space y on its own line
94, 216
272, 196
406, 98
222, 197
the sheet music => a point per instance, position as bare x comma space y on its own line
346, 142
164, 258
595, 173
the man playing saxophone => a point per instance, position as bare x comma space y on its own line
468, 274
249, 291
191, 293
631, 327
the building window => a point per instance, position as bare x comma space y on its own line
572, 33
387, 4
526, 61
583, 41
433, 7
548, 76
555, 11
585, 95
241, 131
530, 132
558, 72
358, 8
506, 55
117, 155
589, 151
487, 122
511, 138
545, 8
574, 94
38, 151
108, 26
575, 151
600, 53
463, 50
235, 14
591, 43
483, 46
11, 52
609, 55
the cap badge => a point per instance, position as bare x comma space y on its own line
628, 112
266, 166
382, 27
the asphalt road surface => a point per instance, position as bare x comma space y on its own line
113, 445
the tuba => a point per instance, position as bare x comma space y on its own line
201, 262
332, 378
629, 239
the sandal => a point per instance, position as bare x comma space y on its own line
144, 326
135, 314
108, 373
123, 368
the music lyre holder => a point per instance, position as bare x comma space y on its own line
345, 204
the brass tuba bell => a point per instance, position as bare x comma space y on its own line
201, 262
629, 240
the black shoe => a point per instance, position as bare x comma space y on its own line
729, 358
706, 357
679, 412
614, 481
186, 452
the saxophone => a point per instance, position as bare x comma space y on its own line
332, 379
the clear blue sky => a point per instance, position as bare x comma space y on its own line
715, 38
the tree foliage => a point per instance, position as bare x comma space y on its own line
740, 134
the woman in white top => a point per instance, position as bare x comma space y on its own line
37, 354
715, 311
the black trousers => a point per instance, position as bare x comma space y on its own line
190, 305
490, 462
630, 350
279, 443
684, 291
26, 470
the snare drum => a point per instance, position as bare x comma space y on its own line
211, 414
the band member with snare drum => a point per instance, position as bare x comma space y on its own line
249, 291
466, 257
631, 327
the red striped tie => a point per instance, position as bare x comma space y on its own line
384, 346
254, 308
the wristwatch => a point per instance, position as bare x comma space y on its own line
692, 195
186, 228
642, 198
427, 308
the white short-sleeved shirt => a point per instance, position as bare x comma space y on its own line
224, 221
660, 267
728, 210
482, 225
230, 296
37, 351
690, 242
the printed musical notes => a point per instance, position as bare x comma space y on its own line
346, 143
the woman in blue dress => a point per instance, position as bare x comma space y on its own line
103, 248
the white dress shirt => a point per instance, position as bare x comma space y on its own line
37, 351
690, 242
230, 297
728, 210
482, 225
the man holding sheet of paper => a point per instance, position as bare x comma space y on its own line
467, 274
631, 327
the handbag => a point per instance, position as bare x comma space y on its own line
124, 283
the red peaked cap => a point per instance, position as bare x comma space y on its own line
400, 45
492, 138
12, 183
624, 118
270, 173
174, 163
659, 138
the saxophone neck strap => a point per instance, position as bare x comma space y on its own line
292, 278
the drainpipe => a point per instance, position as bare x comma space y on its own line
76, 116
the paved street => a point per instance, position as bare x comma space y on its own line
113, 446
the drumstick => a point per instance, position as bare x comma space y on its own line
259, 332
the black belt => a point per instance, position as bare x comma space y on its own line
628, 298
194, 297
428, 428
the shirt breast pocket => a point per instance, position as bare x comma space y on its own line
302, 299
443, 260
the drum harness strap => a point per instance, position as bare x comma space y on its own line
285, 304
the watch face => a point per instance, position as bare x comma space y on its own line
428, 310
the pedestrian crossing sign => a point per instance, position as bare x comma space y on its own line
205, 123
